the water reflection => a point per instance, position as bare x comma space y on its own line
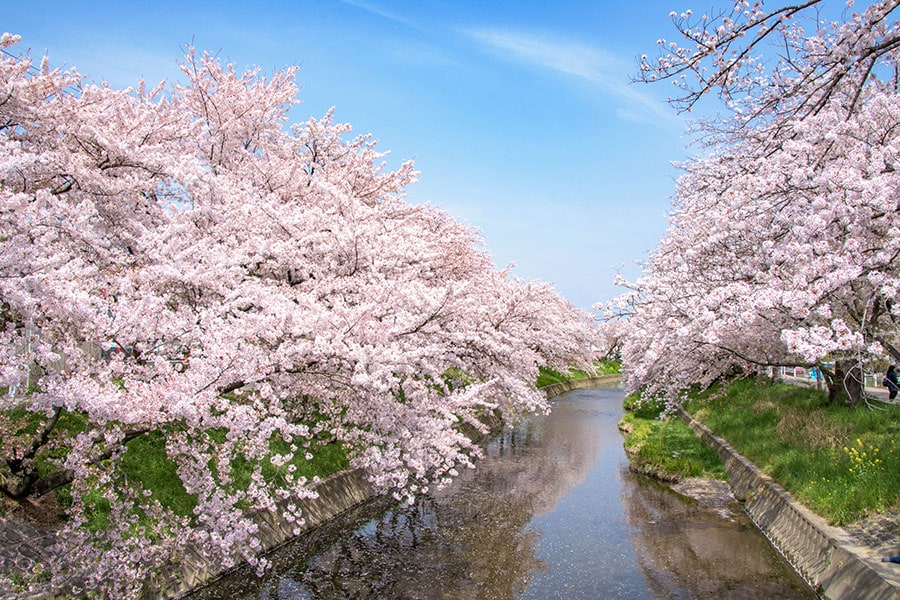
689, 551
551, 512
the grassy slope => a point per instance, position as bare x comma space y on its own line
666, 448
842, 462
146, 460
548, 376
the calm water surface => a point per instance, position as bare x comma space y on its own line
551, 512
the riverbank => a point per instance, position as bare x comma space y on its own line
550, 511
26, 539
839, 561
783, 521
337, 494
561, 387
829, 558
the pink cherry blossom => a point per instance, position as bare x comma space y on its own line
783, 242
184, 264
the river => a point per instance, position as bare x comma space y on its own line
552, 511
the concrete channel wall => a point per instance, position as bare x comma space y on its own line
823, 555
337, 494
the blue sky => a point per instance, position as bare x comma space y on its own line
518, 114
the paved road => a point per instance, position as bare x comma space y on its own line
874, 393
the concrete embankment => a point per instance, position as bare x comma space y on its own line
337, 494
824, 555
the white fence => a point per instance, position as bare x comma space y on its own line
814, 376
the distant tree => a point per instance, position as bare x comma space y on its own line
270, 291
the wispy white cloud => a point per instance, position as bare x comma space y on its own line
418, 50
571, 58
381, 12
598, 67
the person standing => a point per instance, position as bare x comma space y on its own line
891, 382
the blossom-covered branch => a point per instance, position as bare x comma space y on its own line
183, 265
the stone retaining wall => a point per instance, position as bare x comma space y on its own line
823, 555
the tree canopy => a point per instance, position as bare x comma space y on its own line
183, 263
783, 241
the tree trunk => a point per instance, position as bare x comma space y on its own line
846, 386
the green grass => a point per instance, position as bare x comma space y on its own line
666, 448
842, 462
146, 461
146, 465
548, 376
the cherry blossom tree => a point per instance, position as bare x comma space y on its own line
782, 246
789, 61
264, 288
786, 258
